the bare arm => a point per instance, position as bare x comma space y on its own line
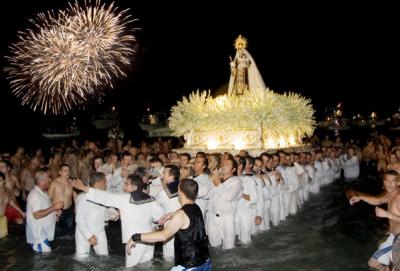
176, 223
15, 205
51, 190
370, 199
98, 196
45, 212
17, 182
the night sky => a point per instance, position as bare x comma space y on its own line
329, 53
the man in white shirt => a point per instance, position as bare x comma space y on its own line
137, 213
90, 219
204, 182
41, 214
222, 206
117, 179
156, 172
351, 165
246, 208
168, 200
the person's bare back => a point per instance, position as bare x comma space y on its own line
368, 153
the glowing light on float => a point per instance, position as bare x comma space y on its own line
238, 143
251, 118
212, 144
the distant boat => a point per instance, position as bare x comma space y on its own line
60, 135
103, 124
156, 131
155, 124
107, 119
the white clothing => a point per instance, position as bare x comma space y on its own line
314, 184
155, 187
384, 253
221, 230
293, 188
89, 219
139, 254
267, 204
260, 206
275, 195
42, 247
204, 183
351, 167
169, 205
246, 210
256, 83
135, 218
221, 212
39, 230
115, 182
82, 246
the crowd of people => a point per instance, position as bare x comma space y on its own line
185, 201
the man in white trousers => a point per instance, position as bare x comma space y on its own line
137, 210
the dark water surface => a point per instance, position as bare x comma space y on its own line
326, 234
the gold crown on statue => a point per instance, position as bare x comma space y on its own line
240, 42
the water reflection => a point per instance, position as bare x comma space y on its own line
326, 234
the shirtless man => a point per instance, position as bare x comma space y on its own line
13, 212
85, 166
54, 165
27, 175
12, 182
6, 200
394, 163
18, 159
61, 190
381, 259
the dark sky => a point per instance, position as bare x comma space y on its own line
329, 53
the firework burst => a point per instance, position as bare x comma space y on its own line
70, 57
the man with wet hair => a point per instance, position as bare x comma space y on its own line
391, 196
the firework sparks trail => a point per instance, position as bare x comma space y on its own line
70, 57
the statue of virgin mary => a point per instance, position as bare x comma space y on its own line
244, 73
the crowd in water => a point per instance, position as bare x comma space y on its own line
239, 196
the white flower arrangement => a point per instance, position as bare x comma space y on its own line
273, 115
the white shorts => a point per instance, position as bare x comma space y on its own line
42, 247
204, 267
384, 253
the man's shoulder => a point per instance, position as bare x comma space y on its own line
33, 195
55, 183
82, 197
396, 197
